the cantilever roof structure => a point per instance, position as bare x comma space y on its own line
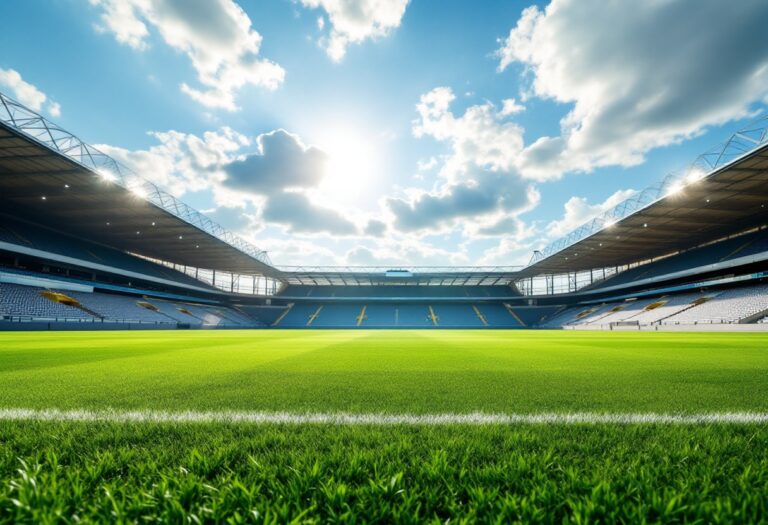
51, 177
724, 192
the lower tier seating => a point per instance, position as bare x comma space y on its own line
21, 302
736, 305
407, 315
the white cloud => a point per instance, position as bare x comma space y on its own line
631, 93
406, 251
509, 251
27, 93
509, 106
282, 161
297, 252
276, 180
183, 162
216, 36
478, 180
477, 138
301, 215
353, 21
427, 165
577, 211
54, 109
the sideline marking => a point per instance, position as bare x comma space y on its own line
344, 418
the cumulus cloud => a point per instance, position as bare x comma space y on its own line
508, 252
407, 251
577, 211
477, 138
486, 192
631, 93
509, 106
26, 93
477, 179
353, 21
182, 162
216, 36
265, 181
297, 252
301, 215
281, 165
375, 228
282, 161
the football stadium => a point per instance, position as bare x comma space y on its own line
157, 366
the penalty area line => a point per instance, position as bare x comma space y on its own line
381, 419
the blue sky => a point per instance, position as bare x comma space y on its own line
389, 131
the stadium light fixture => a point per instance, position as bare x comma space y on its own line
675, 188
695, 175
140, 192
107, 176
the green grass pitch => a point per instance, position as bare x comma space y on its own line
54, 471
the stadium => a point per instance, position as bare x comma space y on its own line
89, 245
158, 366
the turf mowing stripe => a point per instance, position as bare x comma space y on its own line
342, 418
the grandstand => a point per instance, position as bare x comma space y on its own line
87, 244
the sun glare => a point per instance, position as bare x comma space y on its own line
352, 165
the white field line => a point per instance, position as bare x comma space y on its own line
347, 419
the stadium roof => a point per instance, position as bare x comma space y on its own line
384, 275
724, 192
50, 177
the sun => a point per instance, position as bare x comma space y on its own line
353, 165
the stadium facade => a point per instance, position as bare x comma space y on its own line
87, 244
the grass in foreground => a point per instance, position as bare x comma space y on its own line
272, 474
54, 472
386, 371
